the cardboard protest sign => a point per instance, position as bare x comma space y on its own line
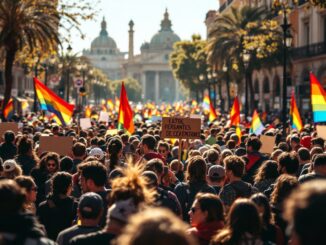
8, 126
268, 143
60, 145
321, 131
112, 132
104, 116
85, 123
182, 128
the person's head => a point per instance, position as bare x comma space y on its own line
115, 151
176, 166
253, 144
318, 142
206, 208
155, 226
50, 162
288, 163
93, 176
196, 170
243, 218
284, 185
98, 153
225, 153
263, 206
234, 166
148, 143
294, 142
283, 146
275, 154
61, 183
12, 198
9, 136
212, 156
268, 170
11, 169
163, 149
216, 175
79, 150
315, 150
24, 146
304, 155
320, 164
214, 131
90, 207
156, 165
66, 164
151, 177
306, 214
28, 185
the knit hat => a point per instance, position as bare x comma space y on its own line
9, 165
96, 152
121, 210
306, 141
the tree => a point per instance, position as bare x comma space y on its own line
133, 87
34, 24
188, 61
247, 28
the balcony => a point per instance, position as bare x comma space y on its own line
309, 51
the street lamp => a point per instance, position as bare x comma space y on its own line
225, 69
246, 59
202, 78
36, 62
69, 51
214, 74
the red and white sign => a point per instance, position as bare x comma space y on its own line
78, 82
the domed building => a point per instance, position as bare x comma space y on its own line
151, 67
105, 55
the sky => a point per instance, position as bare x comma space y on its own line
187, 18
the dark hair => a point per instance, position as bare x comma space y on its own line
9, 136
212, 155
212, 204
289, 161
95, 171
268, 170
66, 164
149, 141
254, 142
262, 201
283, 146
320, 160
94, 141
114, 147
61, 181
25, 182
295, 139
24, 145
304, 154
243, 218
196, 170
235, 164
155, 165
12, 198
47, 157
79, 149
163, 144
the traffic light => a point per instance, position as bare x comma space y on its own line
82, 91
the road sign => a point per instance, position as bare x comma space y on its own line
78, 82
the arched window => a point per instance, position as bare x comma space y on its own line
266, 89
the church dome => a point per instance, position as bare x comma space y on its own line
103, 41
165, 38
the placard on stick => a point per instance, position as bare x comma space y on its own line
181, 128
4, 126
321, 131
60, 145
85, 123
268, 143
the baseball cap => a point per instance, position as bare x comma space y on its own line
9, 165
121, 210
216, 172
97, 152
90, 205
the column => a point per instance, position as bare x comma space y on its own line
143, 84
157, 86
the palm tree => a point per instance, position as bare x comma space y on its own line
26, 23
228, 39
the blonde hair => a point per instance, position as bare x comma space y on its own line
13, 173
155, 226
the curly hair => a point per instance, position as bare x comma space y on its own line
283, 188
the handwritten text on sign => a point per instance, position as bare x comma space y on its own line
182, 128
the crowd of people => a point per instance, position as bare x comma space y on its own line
140, 189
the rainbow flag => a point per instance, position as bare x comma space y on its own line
51, 102
295, 115
206, 103
125, 118
235, 116
257, 126
318, 99
8, 111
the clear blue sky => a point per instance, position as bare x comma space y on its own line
187, 18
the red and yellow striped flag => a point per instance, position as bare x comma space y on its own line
235, 116
125, 118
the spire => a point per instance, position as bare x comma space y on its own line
103, 28
131, 25
166, 22
131, 42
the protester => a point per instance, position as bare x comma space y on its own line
26, 156
206, 217
27, 184
8, 149
155, 226
11, 169
216, 177
266, 175
115, 153
59, 210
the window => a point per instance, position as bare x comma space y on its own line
306, 33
